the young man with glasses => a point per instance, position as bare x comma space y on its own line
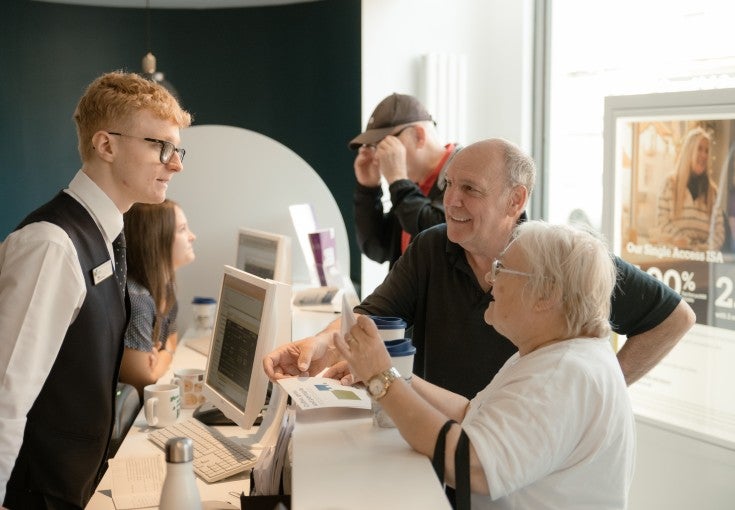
63, 303
439, 286
401, 144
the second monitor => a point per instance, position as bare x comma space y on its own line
264, 254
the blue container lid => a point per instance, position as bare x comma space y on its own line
410, 351
388, 322
398, 345
198, 300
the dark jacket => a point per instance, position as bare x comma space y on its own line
378, 233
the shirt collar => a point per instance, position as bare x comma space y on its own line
431, 179
100, 206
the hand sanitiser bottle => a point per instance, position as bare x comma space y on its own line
180, 490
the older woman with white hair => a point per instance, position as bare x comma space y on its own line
554, 428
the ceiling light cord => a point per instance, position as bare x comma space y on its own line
148, 63
148, 25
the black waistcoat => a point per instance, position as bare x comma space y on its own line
64, 450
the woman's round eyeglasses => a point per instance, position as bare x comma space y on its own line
498, 268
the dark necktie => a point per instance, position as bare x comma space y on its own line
121, 266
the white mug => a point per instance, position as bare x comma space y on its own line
162, 404
190, 381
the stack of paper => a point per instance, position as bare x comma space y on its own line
268, 470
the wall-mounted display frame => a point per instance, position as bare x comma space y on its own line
669, 208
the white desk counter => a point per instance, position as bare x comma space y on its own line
340, 459
351, 464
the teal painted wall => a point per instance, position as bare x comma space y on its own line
291, 72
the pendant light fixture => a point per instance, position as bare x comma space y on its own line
148, 63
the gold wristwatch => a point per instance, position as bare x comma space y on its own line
377, 386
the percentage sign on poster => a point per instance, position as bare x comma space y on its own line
687, 278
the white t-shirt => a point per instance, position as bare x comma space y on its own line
555, 430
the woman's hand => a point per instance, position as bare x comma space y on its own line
363, 349
341, 372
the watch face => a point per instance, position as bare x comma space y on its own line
375, 386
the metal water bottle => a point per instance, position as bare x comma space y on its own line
180, 490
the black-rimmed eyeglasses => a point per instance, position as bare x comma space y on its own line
498, 268
167, 148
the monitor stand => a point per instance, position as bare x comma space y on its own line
267, 433
268, 422
210, 415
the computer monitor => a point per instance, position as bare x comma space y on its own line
253, 318
264, 254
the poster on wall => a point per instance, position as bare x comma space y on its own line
670, 210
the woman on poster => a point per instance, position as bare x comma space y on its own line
688, 213
727, 180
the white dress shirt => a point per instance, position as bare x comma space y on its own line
41, 292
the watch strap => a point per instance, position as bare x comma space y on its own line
388, 377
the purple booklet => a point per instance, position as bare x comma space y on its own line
323, 247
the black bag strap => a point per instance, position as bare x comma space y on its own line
462, 472
441, 441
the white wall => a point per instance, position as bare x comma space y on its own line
221, 191
495, 36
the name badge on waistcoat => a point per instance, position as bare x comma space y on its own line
102, 272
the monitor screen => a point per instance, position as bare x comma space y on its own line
264, 254
253, 318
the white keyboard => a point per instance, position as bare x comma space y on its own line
215, 456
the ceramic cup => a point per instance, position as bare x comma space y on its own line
190, 382
161, 404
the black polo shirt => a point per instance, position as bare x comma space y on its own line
434, 289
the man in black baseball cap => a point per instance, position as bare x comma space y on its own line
401, 145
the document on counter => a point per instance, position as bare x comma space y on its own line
321, 392
137, 481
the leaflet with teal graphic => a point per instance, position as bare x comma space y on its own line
321, 392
